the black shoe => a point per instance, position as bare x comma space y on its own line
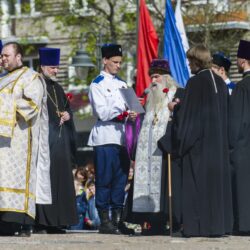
23, 233
55, 230
155, 231
40, 231
119, 224
241, 233
106, 226
125, 230
177, 234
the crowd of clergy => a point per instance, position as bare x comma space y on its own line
186, 150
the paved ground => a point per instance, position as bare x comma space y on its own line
92, 241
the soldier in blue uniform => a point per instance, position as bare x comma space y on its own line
221, 66
107, 138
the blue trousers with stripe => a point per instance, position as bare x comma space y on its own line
111, 171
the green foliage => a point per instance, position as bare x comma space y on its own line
39, 5
25, 8
207, 18
27, 47
105, 21
130, 20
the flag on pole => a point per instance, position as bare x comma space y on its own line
181, 29
147, 48
180, 26
173, 48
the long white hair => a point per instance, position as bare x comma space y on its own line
156, 95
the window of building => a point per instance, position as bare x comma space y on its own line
79, 7
31, 62
78, 4
25, 7
219, 5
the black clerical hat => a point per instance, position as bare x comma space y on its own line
110, 50
159, 66
221, 60
244, 50
49, 56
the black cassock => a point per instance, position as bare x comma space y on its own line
239, 137
166, 144
202, 133
62, 212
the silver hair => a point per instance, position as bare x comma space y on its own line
156, 95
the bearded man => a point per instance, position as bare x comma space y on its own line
239, 138
24, 165
62, 212
149, 193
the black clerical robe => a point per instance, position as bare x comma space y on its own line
62, 212
239, 137
166, 144
202, 134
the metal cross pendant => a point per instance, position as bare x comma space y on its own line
155, 120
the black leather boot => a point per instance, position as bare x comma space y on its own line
119, 223
25, 231
106, 226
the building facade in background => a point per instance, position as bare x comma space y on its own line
220, 24
41, 23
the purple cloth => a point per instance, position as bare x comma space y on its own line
132, 131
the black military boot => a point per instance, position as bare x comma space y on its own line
106, 226
119, 223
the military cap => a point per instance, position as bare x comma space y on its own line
110, 50
221, 60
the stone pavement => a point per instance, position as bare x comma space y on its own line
93, 241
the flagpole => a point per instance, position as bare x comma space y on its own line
137, 28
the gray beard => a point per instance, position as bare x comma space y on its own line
155, 98
52, 78
240, 70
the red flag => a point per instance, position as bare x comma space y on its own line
147, 48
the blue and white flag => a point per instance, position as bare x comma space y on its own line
181, 29
173, 47
180, 26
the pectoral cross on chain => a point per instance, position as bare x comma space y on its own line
58, 113
155, 120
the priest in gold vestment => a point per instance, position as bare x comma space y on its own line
24, 151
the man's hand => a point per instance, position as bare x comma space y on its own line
132, 116
172, 104
65, 116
